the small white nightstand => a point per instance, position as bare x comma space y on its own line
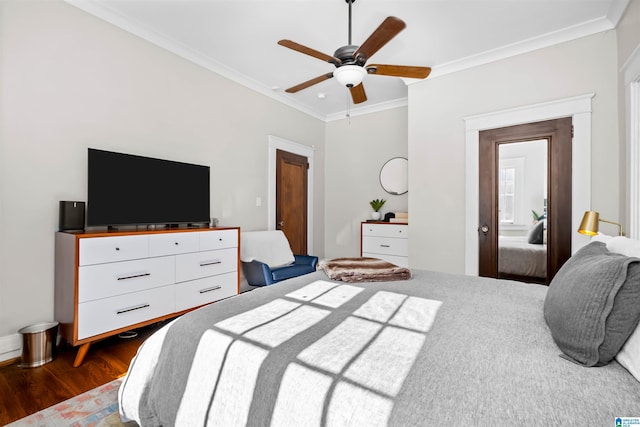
387, 241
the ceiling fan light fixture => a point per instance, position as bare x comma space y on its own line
350, 75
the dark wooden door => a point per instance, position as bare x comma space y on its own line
558, 134
291, 199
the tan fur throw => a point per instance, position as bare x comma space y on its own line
363, 269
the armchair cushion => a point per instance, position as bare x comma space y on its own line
304, 264
260, 274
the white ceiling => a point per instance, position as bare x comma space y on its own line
238, 38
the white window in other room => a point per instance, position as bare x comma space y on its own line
510, 185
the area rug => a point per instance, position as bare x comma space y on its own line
94, 408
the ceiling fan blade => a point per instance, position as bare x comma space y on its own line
399, 71
308, 83
357, 94
308, 51
389, 28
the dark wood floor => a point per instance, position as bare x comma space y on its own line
24, 391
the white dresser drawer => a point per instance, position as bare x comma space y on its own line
97, 250
107, 280
204, 291
386, 230
209, 263
218, 239
385, 245
173, 243
108, 314
400, 261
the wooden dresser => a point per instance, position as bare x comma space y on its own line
385, 240
109, 282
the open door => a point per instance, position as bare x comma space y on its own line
557, 134
291, 199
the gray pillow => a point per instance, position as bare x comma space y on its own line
536, 235
593, 304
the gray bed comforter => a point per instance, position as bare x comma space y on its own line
438, 349
516, 256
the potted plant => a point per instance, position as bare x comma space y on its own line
376, 205
537, 217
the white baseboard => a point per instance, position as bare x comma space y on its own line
10, 347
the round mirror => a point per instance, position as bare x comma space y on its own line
394, 177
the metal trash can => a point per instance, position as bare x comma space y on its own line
38, 344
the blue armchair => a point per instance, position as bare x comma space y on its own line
267, 258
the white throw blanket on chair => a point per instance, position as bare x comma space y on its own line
270, 247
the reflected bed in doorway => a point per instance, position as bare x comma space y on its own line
435, 349
517, 257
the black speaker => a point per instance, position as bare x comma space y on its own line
71, 216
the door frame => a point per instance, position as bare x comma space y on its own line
632, 90
557, 135
277, 143
579, 109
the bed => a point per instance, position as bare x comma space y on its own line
437, 349
517, 257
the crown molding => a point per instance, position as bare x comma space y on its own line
545, 40
373, 108
104, 12
616, 11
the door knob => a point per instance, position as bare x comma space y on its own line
484, 229
281, 224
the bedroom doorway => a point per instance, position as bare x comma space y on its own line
276, 144
552, 204
291, 199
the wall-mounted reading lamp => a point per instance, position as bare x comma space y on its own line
589, 224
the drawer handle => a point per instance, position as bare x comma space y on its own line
213, 262
385, 246
137, 307
214, 288
134, 276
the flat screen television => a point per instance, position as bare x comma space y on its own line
125, 189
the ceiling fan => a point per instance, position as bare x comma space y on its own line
350, 60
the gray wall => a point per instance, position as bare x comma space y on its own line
628, 32
356, 150
438, 106
71, 81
